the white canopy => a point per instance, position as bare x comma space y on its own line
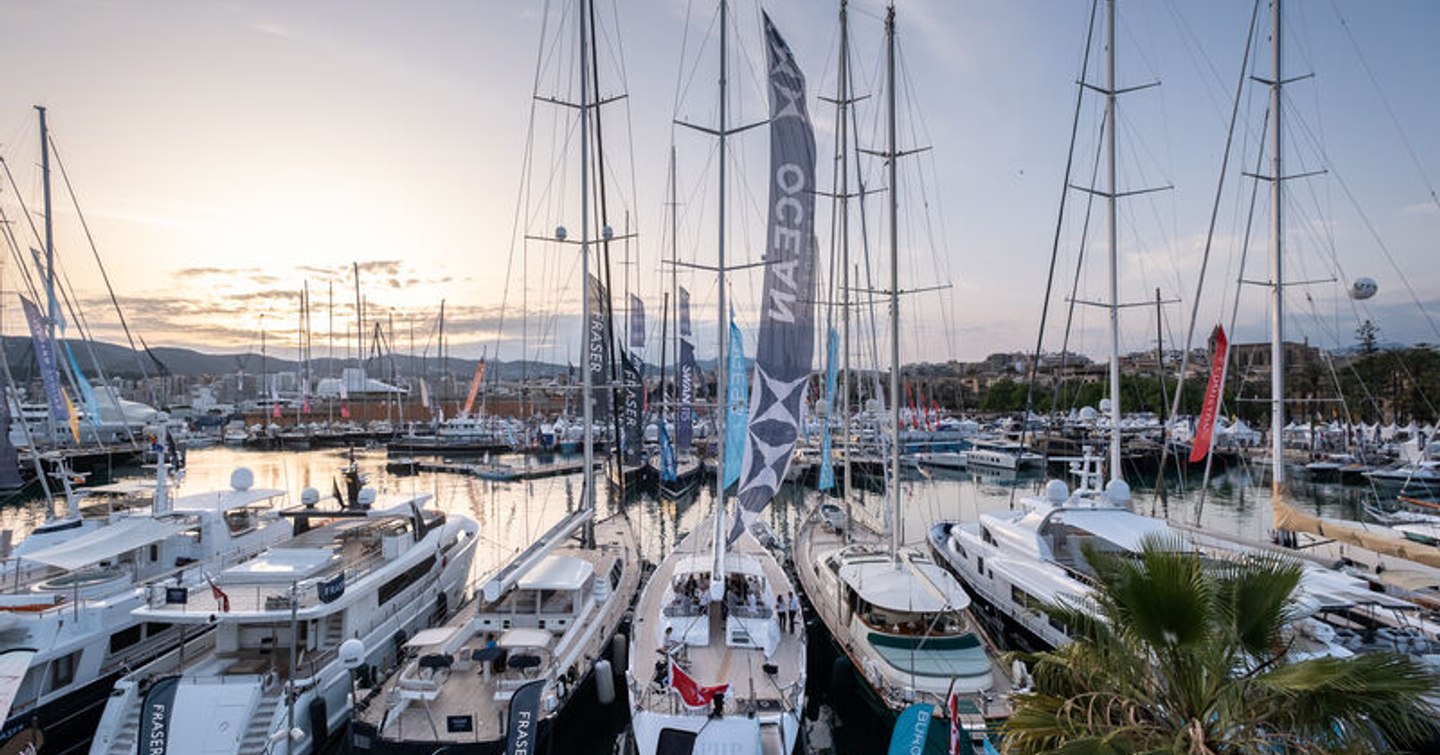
557, 573
1119, 526
107, 542
13, 665
913, 587
224, 500
432, 636
735, 563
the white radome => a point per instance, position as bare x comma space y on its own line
1363, 288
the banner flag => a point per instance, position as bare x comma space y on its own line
827, 467
637, 322
1214, 392
783, 351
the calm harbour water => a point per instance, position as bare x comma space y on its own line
513, 514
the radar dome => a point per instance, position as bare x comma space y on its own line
352, 653
242, 478
1118, 491
1056, 492
309, 497
1363, 288
366, 497
1088, 414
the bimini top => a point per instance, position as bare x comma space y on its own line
557, 573
735, 563
107, 542
911, 586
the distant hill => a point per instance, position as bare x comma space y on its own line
122, 362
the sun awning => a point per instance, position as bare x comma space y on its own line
224, 500
431, 637
107, 542
557, 573
524, 637
912, 587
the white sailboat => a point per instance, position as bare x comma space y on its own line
535, 644
713, 668
899, 618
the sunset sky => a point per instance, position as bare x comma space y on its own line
227, 153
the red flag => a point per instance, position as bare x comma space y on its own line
344, 412
692, 692
275, 411
219, 595
1205, 429
950, 707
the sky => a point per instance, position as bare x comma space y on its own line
226, 155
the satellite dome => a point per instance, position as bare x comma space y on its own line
1056, 492
1088, 414
1363, 288
242, 478
1118, 491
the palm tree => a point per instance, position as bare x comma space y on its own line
1175, 652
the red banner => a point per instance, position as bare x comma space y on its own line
1213, 393
474, 388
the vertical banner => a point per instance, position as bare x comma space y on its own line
685, 417
523, 733
45, 356
783, 349
155, 716
735, 403
637, 322
1214, 391
632, 414
597, 355
827, 467
667, 455
685, 313
475, 383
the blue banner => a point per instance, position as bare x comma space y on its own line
684, 313
911, 728
87, 393
45, 356
597, 352
632, 408
827, 469
637, 322
667, 455
523, 733
784, 347
685, 416
736, 404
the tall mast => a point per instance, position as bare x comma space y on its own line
722, 404
587, 499
1277, 268
1110, 95
843, 100
49, 247
896, 522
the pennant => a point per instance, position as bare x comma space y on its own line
72, 416
692, 693
1214, 392
786, 339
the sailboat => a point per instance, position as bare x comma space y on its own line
532, 654
901, 619
713, 668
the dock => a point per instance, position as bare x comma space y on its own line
496, 471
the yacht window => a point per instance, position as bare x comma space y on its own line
615, 573
154, 553
986, 536
124, 638
62, 670
980, 564
153, 628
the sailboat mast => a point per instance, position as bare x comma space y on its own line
1110, 200
1277, 268
843, 99
722, 404
897, 521
49, 245
588, 495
